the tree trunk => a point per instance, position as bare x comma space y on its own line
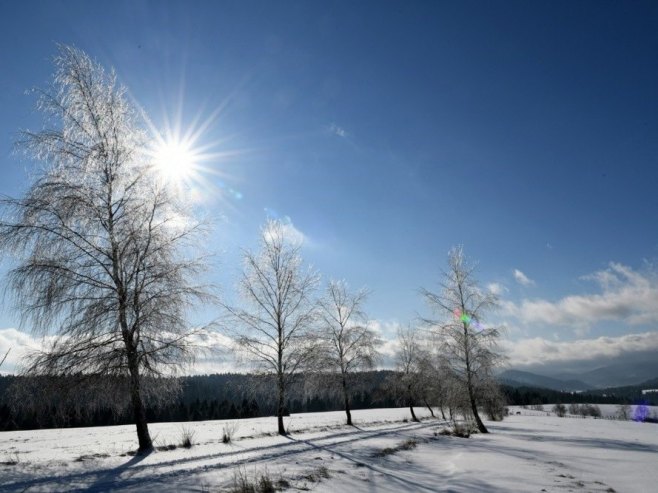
474, 409
413, 414
469, 382
427, 404
347, 402
280, 408
443, 415
411, 403
143, 435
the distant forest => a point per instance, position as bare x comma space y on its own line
235, 396
204, 397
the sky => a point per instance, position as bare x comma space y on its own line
387, 132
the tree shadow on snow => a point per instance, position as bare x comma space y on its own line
115, 478
409, 476
102, 479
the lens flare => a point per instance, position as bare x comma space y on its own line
464, 317
641, 413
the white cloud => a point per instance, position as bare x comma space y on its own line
337, 130
290, 232
626, 296
539, 351
18, 344
522, 279
214, 355
496, 288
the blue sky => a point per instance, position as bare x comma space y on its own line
390, 131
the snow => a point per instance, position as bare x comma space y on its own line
529, 452
607, 410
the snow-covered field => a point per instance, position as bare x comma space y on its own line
607, 411
529, 452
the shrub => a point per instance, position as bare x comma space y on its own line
317, 475
262, 483
461, 431
265, 484
594, 410
408, 444
12, 459
623, 412
241, 482
560, 410
187, 437
586, 410
228, 431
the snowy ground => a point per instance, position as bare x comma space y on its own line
608, 411
529, 452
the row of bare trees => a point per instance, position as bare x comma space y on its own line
427, 376
284, 331
105, 260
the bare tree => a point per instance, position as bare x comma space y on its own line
624, 412
351, 344
456, 399
276, 323
469, 348
430, 380
99, 240
408, 360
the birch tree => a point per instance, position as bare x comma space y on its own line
469, 348
351, 344
276, 323
103, 249
408, 360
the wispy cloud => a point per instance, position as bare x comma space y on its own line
625, 296
496, 288
522, 279
337, 130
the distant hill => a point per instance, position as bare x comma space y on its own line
617, 372
615, 375
632, 392
518, 378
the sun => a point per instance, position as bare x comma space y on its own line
175, 161
180, 161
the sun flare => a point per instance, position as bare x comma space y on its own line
175, 161
180, 160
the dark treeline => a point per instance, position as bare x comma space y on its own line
203, 397
236, 396
527, 396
